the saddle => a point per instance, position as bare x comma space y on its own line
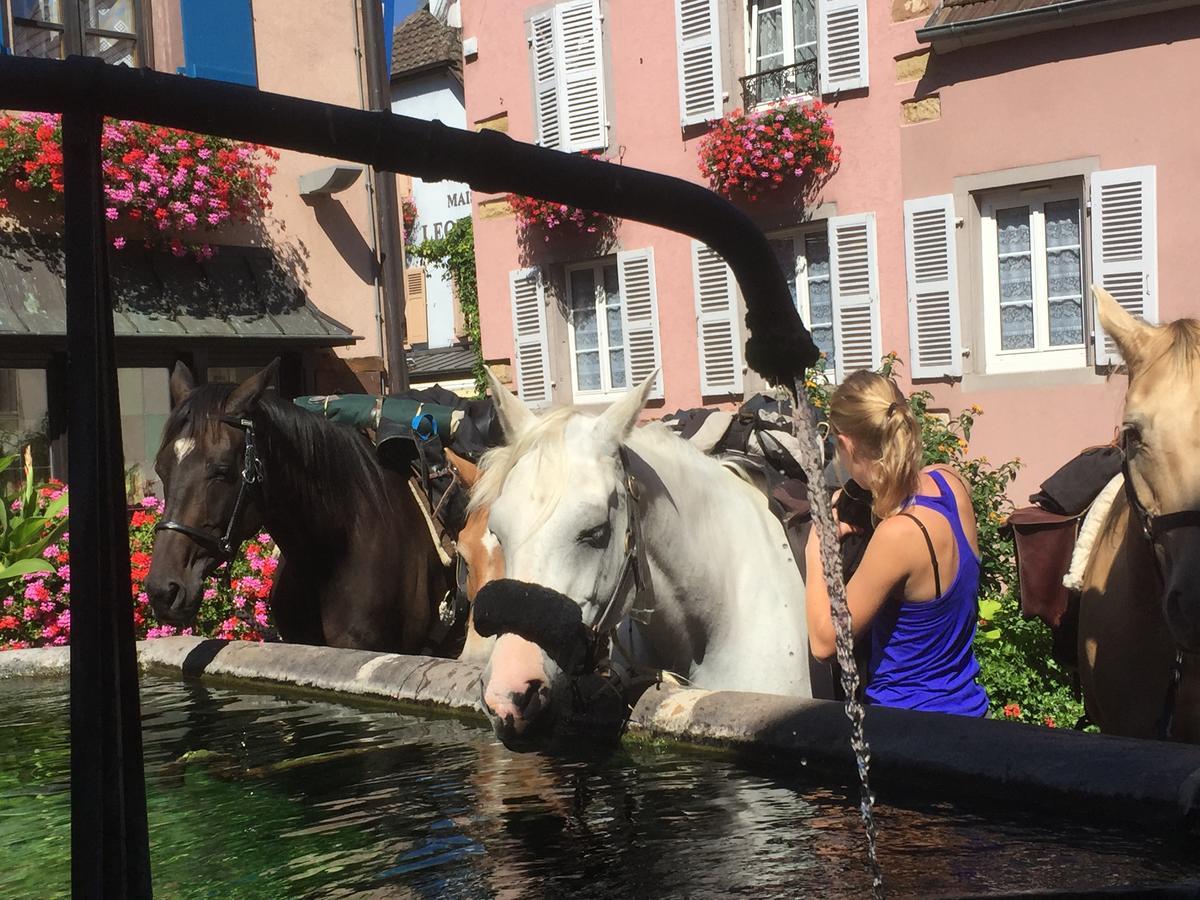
1045, 537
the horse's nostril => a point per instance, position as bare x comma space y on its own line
532, 689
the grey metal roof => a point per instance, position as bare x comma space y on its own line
441, 361
242, 292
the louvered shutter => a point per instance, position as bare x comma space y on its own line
532, 354
697, 38
639, 317
1124, 246
855, 293
717, 330
544, 61
584, 113
934, 333
415, 318
842, 45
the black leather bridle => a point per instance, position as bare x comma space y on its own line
225, 546
1153, 528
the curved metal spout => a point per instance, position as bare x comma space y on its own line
779, 346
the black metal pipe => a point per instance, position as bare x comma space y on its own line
779, 346
110, 851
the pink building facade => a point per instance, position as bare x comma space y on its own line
991, 169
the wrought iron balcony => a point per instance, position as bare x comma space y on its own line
777, 84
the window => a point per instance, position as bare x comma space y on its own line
804, 259
799, 48
566, 59
783, 42
54, 29
597, 335
218, 40
1033, 281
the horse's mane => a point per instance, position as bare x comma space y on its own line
1183, 343
315, 452
546, 439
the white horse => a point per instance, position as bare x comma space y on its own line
713, 563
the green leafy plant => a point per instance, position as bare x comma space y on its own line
1017, 668
30, 519
454, 252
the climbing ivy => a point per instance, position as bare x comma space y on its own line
455, 253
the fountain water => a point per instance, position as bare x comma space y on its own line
831, 561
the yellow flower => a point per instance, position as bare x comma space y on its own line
976, 409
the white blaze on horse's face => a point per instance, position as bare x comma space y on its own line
1161, 436
182, 447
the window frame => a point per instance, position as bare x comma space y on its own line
787, 10
800, 279
607, 392
75, 32
1042, 357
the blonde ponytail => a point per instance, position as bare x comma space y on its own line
870, 410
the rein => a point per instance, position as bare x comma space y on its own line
223, 546
1153, 528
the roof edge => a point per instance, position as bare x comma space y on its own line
1064, 14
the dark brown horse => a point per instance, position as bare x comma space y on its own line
359, 568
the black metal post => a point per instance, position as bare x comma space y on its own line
110, 852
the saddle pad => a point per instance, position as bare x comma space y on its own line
1086, 541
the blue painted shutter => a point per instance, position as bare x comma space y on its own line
218, 40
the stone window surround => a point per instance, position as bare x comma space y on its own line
967, 190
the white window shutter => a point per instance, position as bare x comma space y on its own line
530, 348
934, 332
842, 45
581, 83
1124, 246
697, 37
717, 328
544, 62
855, 281
639, 317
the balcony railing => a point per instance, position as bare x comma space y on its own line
777, 84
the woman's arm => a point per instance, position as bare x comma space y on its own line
886, 563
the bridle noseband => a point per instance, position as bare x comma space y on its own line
224, 547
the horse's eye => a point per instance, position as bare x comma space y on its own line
597, 537
221, 473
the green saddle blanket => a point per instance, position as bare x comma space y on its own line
370, 411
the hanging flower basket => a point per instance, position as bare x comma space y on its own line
408, 208
173, 183
749, 154
549, 218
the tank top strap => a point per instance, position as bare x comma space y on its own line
946, 503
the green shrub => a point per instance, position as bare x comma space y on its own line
1017, 670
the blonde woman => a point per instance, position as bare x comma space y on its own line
916, 592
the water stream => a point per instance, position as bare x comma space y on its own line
811, 458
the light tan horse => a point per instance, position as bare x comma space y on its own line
1140, 604
480, 553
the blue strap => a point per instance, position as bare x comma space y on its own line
418, 426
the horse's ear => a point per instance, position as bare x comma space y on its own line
468, 472
1128, 332
246, 394
182, 383
616, 422
515, 416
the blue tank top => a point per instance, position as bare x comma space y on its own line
921, 656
